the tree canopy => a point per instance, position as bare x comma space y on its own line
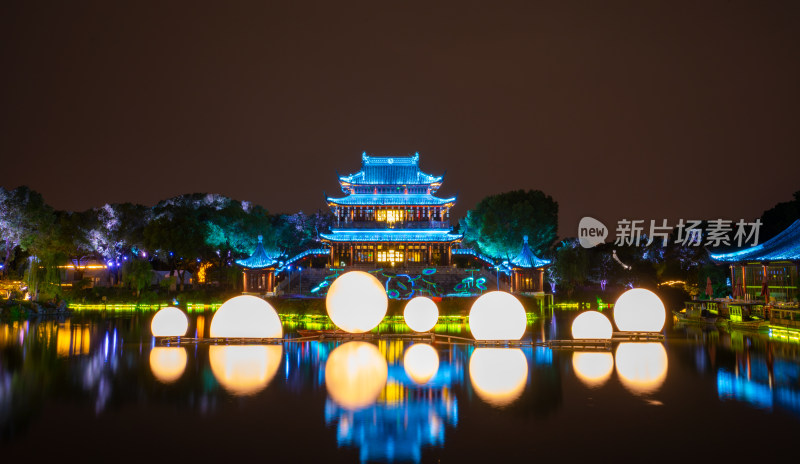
499, 222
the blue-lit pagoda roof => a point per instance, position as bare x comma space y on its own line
391, 199
261, 258
525, 259
394, 170
782, 247
391, 235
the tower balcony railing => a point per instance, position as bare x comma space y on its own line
357, 224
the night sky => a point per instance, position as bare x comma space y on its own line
639, 110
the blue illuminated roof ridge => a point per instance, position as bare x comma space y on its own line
783, 247
390, 170
526, 258
260, 258
382, 199
391, 235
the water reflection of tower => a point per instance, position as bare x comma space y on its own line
411, 410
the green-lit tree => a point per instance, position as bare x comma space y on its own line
137, 274
498, 223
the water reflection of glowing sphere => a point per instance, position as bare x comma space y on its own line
421, 362
356, 302
591, 325
168, 363
642, 367
169, 322
246, 316
498, 375
355, 374
497, 316
244, 369
421, 314
593, 369
639, 310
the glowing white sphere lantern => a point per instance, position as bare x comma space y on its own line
169, 322
591, 325
593, 369
421, 362
355, 375
356, 302
244, 370
497, 316
421, 314
246, 316
498, 375
168, 363
642, 367
639, 310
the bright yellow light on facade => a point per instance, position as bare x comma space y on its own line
642, 367
591, 325
246, 316
421, 362
421, 314
244, 370
355, 375
592, 368
497, 316
356, 302
639, 310
498, 375
390, 215
169, 322
168, 363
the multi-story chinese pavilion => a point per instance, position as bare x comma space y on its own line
390, 216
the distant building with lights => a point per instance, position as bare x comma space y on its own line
390, 215
526, 270
778, 259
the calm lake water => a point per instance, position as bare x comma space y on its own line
95, 387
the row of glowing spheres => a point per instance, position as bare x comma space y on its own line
357, 303
356, 373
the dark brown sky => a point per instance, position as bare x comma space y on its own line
618, 110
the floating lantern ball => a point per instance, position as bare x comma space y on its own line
421, 362
639, 310
169, 322
355, 375
421, 314
591, 325
497, 316
246, 316
356, 302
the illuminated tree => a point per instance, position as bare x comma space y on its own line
23, 214
498, 223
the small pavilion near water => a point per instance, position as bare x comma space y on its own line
526, 270
259, 270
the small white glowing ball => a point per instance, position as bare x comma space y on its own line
591, 325
639, 310
421, 314
498, 375
355, 375
642, 367
168, 363
169, 322
246, 316
244, 370
497, 316
421, 362
593, 369
356, 302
